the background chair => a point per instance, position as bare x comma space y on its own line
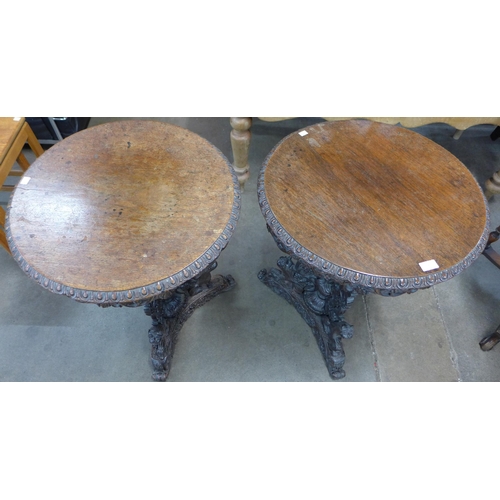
14, 134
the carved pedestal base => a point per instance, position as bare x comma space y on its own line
170, 313
321, 303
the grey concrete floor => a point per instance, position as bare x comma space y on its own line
250, 334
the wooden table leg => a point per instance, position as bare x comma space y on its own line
3, 238
169, 314
321, 303
492, 185
240, 142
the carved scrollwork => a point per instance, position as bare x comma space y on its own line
148, 292
170, 311
320, 301
169, 315
392, 285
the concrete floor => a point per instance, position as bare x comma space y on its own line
250, 334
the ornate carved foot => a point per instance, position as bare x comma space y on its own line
169, 314
321, 303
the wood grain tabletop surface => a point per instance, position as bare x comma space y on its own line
374, 198
122, 205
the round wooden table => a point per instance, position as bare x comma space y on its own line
365, 207
125, 214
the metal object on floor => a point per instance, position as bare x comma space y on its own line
128, 213
490, 341
365, 207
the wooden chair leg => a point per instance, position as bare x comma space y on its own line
492, 185
32, 141
3, 241
3, 238
15, 154
240, 142
23, 162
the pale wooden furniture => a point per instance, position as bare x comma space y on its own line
120, 215
14, 134
364, 207
240, 139
240, 142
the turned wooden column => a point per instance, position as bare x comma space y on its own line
240, 142
492, 185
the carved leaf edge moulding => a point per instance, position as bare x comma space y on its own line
146, 293
342, 274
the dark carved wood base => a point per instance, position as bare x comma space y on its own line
170, 313
320, 301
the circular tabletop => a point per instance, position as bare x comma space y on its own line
367, 203
123, 211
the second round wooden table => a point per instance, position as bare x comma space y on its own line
365, 207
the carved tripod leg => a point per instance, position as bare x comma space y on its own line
169, 314
321, 303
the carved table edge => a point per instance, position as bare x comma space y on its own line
346, 275
146, 293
